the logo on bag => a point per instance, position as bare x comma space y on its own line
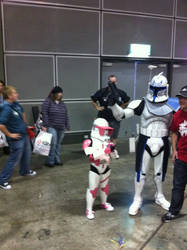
38, 142
46, 143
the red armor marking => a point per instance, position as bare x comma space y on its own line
86, 143
107, 150
96, 162
106, 189
94, 192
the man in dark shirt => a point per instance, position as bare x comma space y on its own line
179, 157
101, 100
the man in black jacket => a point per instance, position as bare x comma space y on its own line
103, 98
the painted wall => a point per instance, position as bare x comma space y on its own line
61, 42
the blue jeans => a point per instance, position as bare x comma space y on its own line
54, 154
20, 153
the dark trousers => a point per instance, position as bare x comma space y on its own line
179, 184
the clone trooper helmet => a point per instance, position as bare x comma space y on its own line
101, 130
158, 89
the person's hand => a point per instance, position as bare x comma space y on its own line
104, 159
174, 156
100, 108
14, 136
44, 129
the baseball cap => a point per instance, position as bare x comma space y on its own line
182, 92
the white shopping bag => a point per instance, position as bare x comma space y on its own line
42, 143
3, 141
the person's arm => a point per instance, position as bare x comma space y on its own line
135, 107
95, 99
97, 107
22, 113
24, 117
125, 99
67, 123
124, 105
45, 115
174, 139
4, 129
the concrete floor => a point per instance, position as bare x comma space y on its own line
48, 211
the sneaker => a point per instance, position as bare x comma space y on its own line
59, 163
6, 186
161, 201
108, 207
115, 153
90, 214
135, 207
30, 173
168, 217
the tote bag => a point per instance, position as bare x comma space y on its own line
42, 143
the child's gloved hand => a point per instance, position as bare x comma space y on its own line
104, 159
110, 148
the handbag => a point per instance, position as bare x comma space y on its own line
42, 143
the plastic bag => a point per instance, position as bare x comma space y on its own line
3, 141
42, 143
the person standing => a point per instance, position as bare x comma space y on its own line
13, 125
6, 149
179, 157
153, 144
101, 101
55, 121
99, 149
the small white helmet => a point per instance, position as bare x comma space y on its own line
101, 130
158, 89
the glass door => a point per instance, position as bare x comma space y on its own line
179, 77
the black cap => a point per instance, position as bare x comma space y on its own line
56, 90
182, 92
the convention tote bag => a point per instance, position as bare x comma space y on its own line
42, 143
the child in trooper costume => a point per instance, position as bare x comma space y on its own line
156, 115
99, 149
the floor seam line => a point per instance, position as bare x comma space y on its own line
155, 232
151, 237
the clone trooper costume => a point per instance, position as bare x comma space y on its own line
100, 150
156, 116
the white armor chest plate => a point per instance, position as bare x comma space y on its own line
98, 149
99, 146
153, 125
